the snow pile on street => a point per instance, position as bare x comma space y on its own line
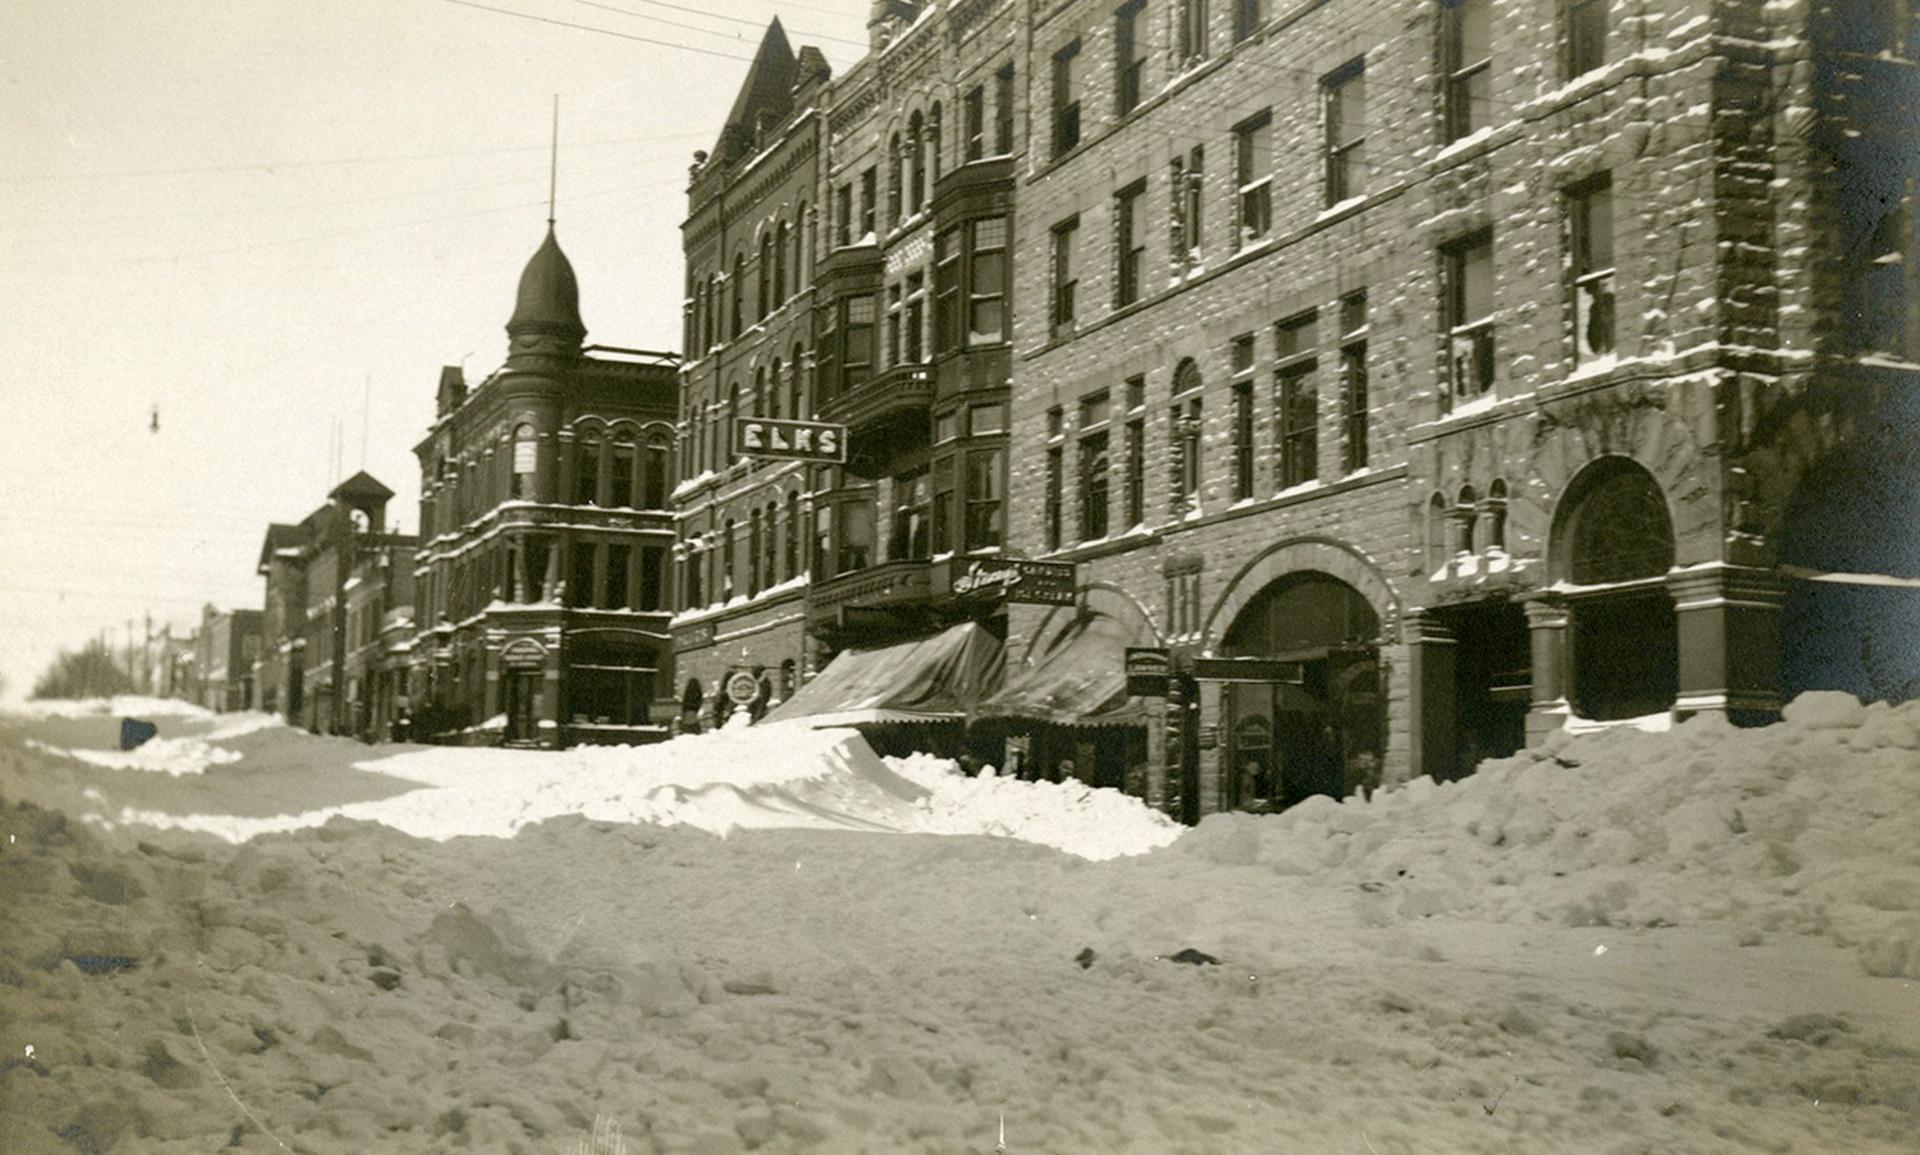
175, 756
1097, 824
123, 705
1803, 827
242, 723
780, 775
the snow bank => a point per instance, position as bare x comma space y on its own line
1806, 826
779, 775
1096, 824
175, 756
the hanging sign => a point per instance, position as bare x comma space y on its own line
789, 440
1148, 668
1042, 583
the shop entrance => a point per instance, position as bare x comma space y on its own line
1316, 723
1493, 682
523, 703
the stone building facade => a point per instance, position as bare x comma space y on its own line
1421, 375
1467, 361
543, 575
226, 646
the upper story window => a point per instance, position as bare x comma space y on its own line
1468, 269
586, 469
1130, 243
896, 180
1243, 448
1586, 36
857, 333
658, 467
1187, 186
1066, 272
737, 293
526, 458
1590, 218
987, 283
1095, 470
623, 459
1466, 50
780, 290
1346, 103
916, 152
986, 499
973, 113
1135, 498
1066, 98
1129, 55
869, 195
1296, 401
1190, 37
1354, 400
914, 343
843, 215
970, 265
1184, 438
1003, 111
912, 537
1249, 16
1253, 176
763, 277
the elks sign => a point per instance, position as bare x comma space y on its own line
1045, 583
789, 440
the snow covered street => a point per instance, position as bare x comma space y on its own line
1704, 940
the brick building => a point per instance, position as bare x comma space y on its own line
225, 649
326, 577
543, 571
1456, 369
898, 180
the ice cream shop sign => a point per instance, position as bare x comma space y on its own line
1046, 583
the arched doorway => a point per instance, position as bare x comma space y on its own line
1309, 716
690, 703
1613, 545
1850, 546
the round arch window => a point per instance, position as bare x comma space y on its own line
1620, 530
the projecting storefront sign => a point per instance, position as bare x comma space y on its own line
1148, 668
789, 440
1043, 583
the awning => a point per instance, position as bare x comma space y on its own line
1081, 681
936, 679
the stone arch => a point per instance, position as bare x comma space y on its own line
1324, 555
1602, 479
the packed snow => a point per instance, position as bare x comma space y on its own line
1700, 940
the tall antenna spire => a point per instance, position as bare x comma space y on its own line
553, 165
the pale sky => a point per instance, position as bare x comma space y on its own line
264, 217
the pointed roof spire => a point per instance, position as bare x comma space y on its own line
549, 298
767, 89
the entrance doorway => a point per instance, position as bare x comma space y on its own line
1319, 728
523, 704
1493, 682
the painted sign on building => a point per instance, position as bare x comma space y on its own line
1044, 583
1148, 668
789, 440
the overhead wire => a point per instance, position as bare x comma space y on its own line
710, 15
601, 31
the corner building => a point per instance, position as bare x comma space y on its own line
1428, 376
542, 579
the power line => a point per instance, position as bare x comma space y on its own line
601, 31
710, 15
326, 162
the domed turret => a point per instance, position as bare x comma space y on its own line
548, 304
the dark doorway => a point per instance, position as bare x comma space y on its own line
1492, 681
1626, 656
523, 704
1321, 731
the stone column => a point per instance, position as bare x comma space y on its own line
1433, 723
1728, 621
1547, 628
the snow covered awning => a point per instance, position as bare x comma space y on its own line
1081, 681
935, 679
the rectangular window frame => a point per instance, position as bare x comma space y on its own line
1342, 92
1130, 245
1470, 339
1465, 68
1253, 178
1594, 313
1066, 99
1129, 57
1065, 274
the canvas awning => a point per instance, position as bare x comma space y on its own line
936, 679
1080, 681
